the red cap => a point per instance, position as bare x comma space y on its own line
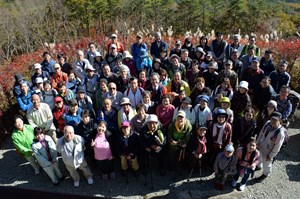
58, 99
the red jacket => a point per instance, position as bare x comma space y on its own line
59, 117
58, 78
120, 47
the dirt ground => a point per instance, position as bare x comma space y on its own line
283, 182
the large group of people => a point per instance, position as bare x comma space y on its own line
226, 105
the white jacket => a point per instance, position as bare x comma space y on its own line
72, 156
268, 143
40, 152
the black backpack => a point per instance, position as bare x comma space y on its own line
286, 136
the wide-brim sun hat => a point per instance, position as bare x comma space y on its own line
244, 84
124, 101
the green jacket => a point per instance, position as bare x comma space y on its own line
23, 140
182, 137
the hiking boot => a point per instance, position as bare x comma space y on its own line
76, 184
55, 183
63, 178
261, 178
37, 171
257, 168
233, 183
90, 180
242, 187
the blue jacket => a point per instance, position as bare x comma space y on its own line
110, 118
284, 107
267, 66
48, 66
25, 101
143, 63
45, 75
135, 50
73, 120
155, 50
17, 88
129, 145
279, 79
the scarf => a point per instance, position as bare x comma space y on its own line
126, 117
178, 129
147, 105
201, 145
218, 131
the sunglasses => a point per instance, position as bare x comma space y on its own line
58, 102
112, 88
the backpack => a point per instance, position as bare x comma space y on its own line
128, 90
54, 94
286, 136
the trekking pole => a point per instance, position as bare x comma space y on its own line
176, 167
188, 180
200, 169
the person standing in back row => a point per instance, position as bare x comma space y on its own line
157, 45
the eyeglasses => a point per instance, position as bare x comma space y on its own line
112, 88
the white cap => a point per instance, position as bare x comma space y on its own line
114, 35
39, 80
97, 54
89, 67
244, 84
229, 148
113, 46
181, 113
151, 118
37, 65
273, 103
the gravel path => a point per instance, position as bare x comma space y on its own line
283, 183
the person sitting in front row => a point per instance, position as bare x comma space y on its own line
224, 166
